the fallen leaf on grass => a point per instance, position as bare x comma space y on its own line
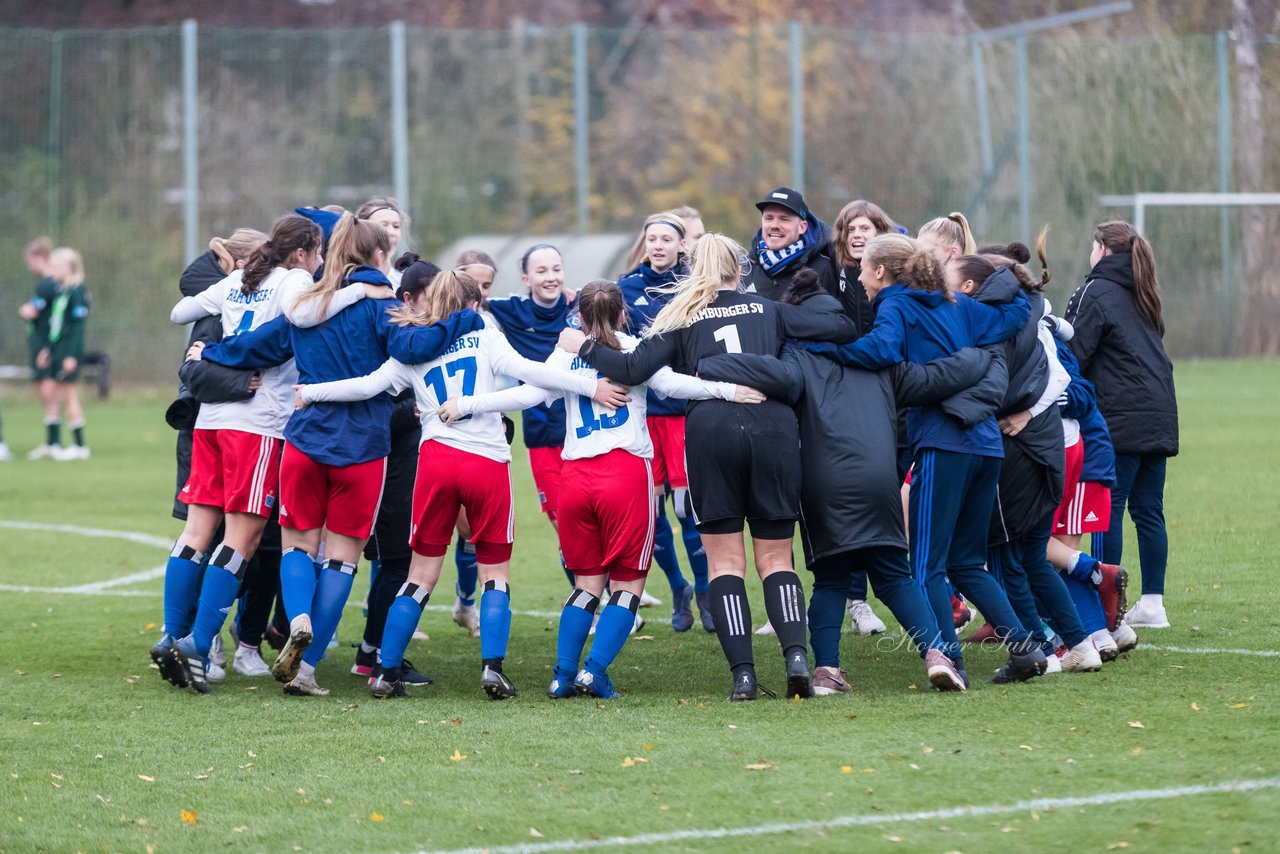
148, 627
1029, 747
846, 769
1195, 707
762, 765
376, 816
1114, 845
1136, 725
146, 779
1239, 705
202, 776
643, 637
190, 817
458, 757
241, 829
533, 831
647, 746
300, 790
628, 762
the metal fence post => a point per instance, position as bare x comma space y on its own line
1226, 296
54, 166
399, 117
797, 105
581, 117
1024, 143
190, 143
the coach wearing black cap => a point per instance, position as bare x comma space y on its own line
790, 238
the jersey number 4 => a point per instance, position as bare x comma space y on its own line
435, 379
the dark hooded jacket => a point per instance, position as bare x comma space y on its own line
848, 434
814, 255
1125, 360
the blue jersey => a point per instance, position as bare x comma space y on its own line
354, 342
643, 305
920, 326
533, 332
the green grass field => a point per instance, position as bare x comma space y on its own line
100, 755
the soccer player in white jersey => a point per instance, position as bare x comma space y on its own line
235, 458
464, 465
606, 509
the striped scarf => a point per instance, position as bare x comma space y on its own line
773, 262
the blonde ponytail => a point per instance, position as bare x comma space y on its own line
716, 267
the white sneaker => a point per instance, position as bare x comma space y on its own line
1105, 644
71, 452
217, 653
467, 616
1147, 615
1081, 658
5, 456
636, 625
215, 673
1053, 664
766, 629
864, 619
40, 452
1125, 637
647, 601
248, 662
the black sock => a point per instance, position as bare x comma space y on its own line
784, 603
732, 615
77, 433
53, 432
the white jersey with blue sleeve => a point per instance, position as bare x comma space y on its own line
592, 430
267, 412
469, 367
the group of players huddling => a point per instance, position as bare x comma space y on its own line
912, 403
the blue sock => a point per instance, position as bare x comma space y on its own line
464, 558
612, 630
332, 591
495, 620
297, 582
217, 593
664, 550
692, 542
181, 587
575, 625
402, 619
826, 616
375, 567
1086, 565
1084, 595
567, 573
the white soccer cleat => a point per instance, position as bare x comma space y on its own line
468, 617
1125, 637
1053, 664
304, 686
248, 662
215, 673
1081, 658
864, 619
1105, 644
1147, 615
5, 455
647, 601
217, 653
41, 452
766, 629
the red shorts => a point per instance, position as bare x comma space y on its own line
234, 470
449, 479
607, 513
343, 499
1086, 506
546, 464
667, 434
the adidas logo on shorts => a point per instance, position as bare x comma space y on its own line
1091, 517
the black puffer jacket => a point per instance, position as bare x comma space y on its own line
1125, 360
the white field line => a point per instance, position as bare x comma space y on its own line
1208, 650
131, 536
1037, 805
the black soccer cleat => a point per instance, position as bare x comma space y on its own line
744, 686
1021, 667
799, 679
496, 684
411, 675
195, 667
171, 670
382, 688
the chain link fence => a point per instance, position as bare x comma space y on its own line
92, 132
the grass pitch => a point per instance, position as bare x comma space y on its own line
100, 755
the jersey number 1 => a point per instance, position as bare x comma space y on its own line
728, 336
